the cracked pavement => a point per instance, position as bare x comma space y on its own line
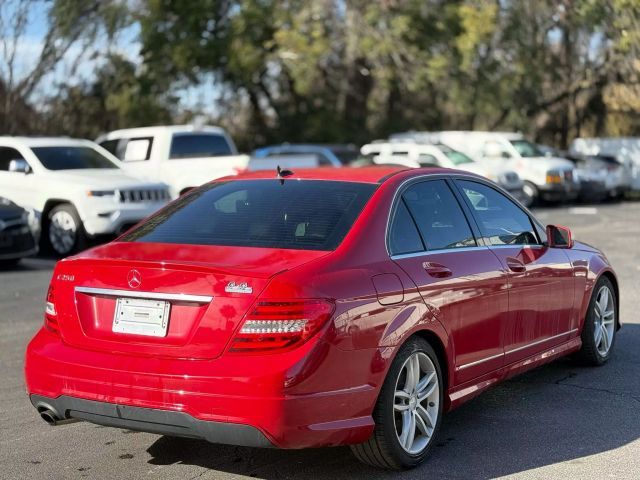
559, 421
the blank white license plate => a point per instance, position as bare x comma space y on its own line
141, 317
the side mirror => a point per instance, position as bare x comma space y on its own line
559, 237
19, 165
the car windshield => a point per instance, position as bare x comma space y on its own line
526, 149
194, 145
71, 158
292, 214
458, 158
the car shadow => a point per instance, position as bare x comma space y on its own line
561, 412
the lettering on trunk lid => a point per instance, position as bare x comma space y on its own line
233, 287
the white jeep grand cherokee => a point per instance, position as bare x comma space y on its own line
78, 188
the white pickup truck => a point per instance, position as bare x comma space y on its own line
182, 156
545, 178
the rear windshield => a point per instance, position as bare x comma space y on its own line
297, 214
71, 158
193, 145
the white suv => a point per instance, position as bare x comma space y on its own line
77, 187
182, 156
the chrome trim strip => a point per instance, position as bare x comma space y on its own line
534, 246
176, 297
438, 251
540, 341
477, 362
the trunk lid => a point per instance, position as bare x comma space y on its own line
209, 290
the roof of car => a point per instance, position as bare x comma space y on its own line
45, 141
164, 128
362, 174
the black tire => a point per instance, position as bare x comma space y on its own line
383, 449
589, 353
11, 263
531, 195
80, 238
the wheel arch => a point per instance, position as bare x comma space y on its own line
50, 205
609, 275
438, 346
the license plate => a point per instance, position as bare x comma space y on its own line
138, 316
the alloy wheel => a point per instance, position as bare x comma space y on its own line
63, 231
415, 406
604, 319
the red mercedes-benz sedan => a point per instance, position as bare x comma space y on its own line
316, 308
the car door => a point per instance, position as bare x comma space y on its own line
19, 187
541, 280
462, 282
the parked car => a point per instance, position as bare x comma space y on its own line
76, 187
19, 230
416, 155
182, 156
590, 172
272, 162
622, 156
544, 178
317, 308
328, 155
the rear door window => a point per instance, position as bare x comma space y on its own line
438, 215
194, 145
297, 214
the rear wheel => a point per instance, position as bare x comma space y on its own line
408, 412
599, 331
64, 232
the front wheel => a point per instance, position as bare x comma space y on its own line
600, 324
64, 231
408, 411
530, 194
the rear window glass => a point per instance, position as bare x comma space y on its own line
192, 145
297, 214
71, 158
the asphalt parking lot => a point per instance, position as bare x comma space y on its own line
559, 421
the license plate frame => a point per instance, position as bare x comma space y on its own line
141, 316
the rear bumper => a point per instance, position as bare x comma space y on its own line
163, 422
303, 398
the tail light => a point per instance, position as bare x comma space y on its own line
274, 326
50, 312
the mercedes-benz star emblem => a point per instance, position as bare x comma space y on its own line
134, 278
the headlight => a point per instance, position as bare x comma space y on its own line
101, 193
554, 177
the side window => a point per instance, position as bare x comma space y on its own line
110, 146
438, 215
426, 160
500, 220
135, 149
403, 234
323, 161
6, 155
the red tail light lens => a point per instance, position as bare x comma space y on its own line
280, 325
50, 312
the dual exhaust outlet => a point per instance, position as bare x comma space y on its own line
53, 418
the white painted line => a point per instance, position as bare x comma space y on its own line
583, 210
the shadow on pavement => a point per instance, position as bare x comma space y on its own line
561, 412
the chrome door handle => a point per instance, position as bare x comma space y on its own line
516, 265
436, 270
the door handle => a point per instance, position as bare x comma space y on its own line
516, 265
436, 270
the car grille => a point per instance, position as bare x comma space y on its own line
143, 195
568, 175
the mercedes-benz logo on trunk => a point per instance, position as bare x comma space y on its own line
134, 278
